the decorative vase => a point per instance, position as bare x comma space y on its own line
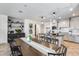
29, 38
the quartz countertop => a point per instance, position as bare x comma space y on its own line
43, 49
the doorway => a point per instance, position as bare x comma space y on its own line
35, 30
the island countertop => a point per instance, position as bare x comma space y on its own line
41, 48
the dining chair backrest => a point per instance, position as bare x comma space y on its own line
55, 42
61, 51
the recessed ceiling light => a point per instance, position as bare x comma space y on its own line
71, 9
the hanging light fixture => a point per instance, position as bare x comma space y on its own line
53, 12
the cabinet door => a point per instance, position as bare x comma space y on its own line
3, 29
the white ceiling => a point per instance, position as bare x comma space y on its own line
36, 10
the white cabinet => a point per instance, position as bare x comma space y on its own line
3, 28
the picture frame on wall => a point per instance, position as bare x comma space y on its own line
30, 28
30, 25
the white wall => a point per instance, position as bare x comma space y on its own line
75, 22
42, 28
63, 23
26, 26
3, 28
47, 27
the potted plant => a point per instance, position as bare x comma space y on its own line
18, 30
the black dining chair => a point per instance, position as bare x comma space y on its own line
16, 50
41, 36
61, 51
55, 43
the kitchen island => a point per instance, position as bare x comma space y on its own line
34, 47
